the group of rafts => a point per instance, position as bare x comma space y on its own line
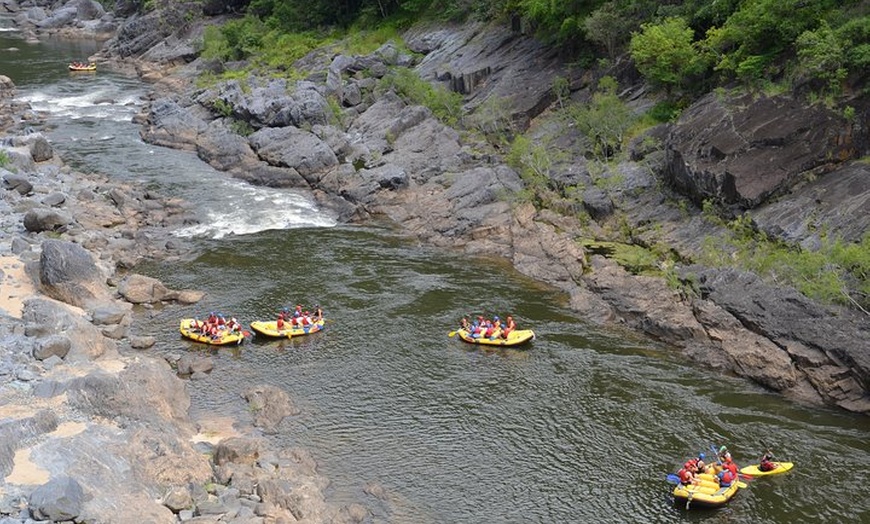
217, 330
712, 485
220, 331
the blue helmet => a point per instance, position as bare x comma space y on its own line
702, 456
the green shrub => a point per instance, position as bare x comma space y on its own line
760, 31
493, 119
821, 57
4, 158
444, 104
235, 40
666, 111
838, 272
854, 37
532, 161
605, 120
665, 53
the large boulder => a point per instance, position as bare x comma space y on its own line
56, 323
270, 405
120, 395
46, 219
792, 321
60, 499
141, 289
745, 150
67, 272
294, 148
171, 125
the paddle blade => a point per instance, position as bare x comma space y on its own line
451, 334
673, 478
742, 485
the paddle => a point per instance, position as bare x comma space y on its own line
451, 334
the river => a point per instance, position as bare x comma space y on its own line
582, 425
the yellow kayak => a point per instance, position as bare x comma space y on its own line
753, 471
516, 337
706, 494
83, 67
270, 329
188, 330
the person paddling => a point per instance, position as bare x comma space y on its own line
509, 325
766, 463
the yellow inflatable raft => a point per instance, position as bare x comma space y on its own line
83, 67
188, 330
515, 338
270, 329
706, 493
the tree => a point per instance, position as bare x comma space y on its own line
665, 53
821, 57
762, 30
605, 120
608, 27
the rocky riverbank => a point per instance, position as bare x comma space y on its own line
94, 427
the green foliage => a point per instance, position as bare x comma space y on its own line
336, 112
854, 37
849, 113
493, 119
762, 30
532, 161
605, 120
445, 105
608, 26
240, 127
305, 15
838, 272
360, 41
665, 53
561, 90
222, 107
4, 158
235, 40
821, 57
666, 111
282, 50
562, 21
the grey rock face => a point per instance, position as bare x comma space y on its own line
58, 500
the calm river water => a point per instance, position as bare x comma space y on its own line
582, 426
